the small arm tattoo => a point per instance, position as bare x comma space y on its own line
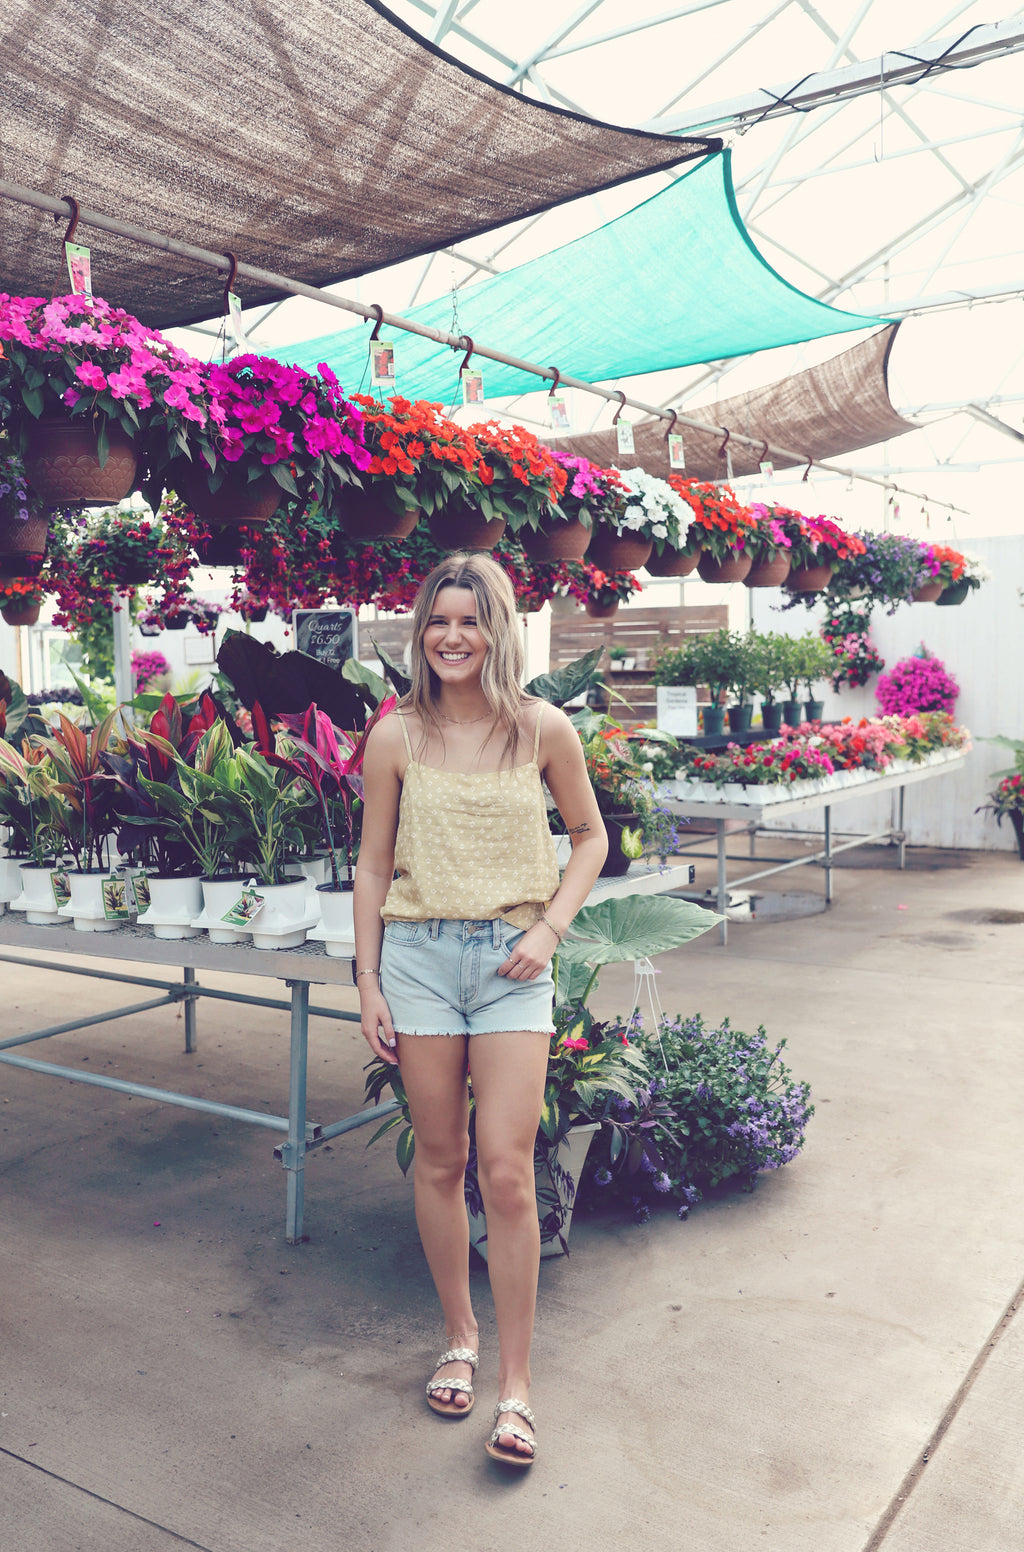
579, 829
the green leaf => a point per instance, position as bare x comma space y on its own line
565, 683
283, 476
102, 441
405, 1149
400, 680
32, 399
632, 928
573, 981
358, 673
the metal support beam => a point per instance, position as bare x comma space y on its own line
993, 421
894, 68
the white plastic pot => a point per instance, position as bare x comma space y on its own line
219, 895
86, 904
36, 898
335, 929
10, 881
173, 905
285, 916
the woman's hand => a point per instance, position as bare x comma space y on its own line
375, 1023
531, 955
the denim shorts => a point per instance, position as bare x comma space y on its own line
441, 978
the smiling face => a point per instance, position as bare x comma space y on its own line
453, 643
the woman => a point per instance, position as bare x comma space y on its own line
453, 954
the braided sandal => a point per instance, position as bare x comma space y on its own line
513, 1457
449, 1408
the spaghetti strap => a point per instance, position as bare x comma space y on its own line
405, 733
536, 736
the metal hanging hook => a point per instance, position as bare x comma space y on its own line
671, 424
69, 199
378, 312
232, 272
722, 450
465, 339
555, 381
622, 401
763, 454
807, 471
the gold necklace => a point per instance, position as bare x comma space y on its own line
468, 722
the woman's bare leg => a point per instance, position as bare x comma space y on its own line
433, 1070
508, 1072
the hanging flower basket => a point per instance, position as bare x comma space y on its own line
367, 514
613, 551
929, 593
731, 568
955, 593
20, 614
460, 526
555, 540
671, 563
23, 545
809, 579
237, 500
62, 462
601, 608
768, 573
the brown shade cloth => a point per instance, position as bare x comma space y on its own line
824, 412
315, 138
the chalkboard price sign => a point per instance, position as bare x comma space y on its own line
329, 635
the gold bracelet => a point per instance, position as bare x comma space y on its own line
366, 972
554, 929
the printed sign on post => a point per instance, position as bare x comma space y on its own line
677, 708
329, 635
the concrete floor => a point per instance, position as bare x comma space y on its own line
772, 1373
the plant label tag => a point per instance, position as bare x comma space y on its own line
558, 411
115, 899
60, 884
140, 889
248, 905
472, 386
382, 363
677, 708
624, 432
676, 451
79, 268
767, 469
235, 321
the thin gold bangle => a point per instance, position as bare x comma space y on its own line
554, 929
366, 972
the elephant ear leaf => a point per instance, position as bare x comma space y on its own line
633, 928
564, 684
246, 662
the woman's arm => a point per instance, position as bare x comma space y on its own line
564, 769
375, 869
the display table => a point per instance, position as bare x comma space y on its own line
298, 968
757, 807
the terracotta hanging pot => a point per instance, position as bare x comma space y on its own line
366, 514
733, 568
601, 608
20, 613
236, 501
613, 551
460, 526
23, 545
809, 579
556, 540
62, 463
768, 573
671, 563
929, 593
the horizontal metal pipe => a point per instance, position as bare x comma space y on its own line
142, 1091
86, 1023
96, 975
361, 1118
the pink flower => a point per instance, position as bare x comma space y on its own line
91, 375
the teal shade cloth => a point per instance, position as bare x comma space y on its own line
673, 282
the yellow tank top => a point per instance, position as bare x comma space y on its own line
472, 847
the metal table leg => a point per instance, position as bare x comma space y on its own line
723, 891
190, 1011
294, 1151
901, 834
827, 862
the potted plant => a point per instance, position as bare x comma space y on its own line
815, 665
767, 675
769, 548
21, 599
91, 386
618, 542
974, 573
622, 782
655, 511
722, 525
792, 652
741, 683
886, 569
708, 659
87, 819
846, 632
917, 683
600, 592
816, 545
523, 481
34, 810
942, 568
24, 520
1006, 800
567, 537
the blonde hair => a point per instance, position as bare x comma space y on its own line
498, 623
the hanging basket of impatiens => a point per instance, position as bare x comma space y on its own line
769, 548
20, 601
722, 527
566, 536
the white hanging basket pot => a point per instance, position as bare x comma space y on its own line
285, 916
557, 1175
36, 898
173, 905
336, 929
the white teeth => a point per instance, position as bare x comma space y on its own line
454, 657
